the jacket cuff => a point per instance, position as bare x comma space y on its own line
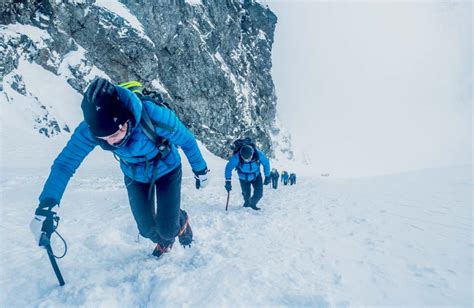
201, 172
47, 204
45, 213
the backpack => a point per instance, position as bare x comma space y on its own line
146, 123
145, 94
239, 143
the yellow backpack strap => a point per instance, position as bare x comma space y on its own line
134, 86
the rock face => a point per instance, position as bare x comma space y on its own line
211, 59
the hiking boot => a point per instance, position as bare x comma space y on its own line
185, 235
159, 250
256, 208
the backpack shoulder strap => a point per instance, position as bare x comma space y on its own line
161, 143
149, 128
152, 123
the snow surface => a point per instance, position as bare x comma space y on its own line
76, 59
121, 10
393, 240
37, 35
193, 2
159, 86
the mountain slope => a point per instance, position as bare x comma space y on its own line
390, 240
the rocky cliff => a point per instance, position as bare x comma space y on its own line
211, 58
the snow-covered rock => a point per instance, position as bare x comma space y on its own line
212, 59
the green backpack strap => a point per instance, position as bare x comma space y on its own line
134, 86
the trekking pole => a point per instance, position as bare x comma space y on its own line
45, 242
227, 204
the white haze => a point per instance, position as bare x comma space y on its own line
370, 88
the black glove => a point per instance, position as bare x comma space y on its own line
45, 220
267, 180
201, 178
228, 185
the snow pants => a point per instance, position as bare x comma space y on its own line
249, 199
160, 223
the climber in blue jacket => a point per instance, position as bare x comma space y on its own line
144, 136
284, 177
247, 160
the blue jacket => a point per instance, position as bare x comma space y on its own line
134, 154
247, 171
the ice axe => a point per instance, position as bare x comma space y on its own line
227, 203
45, 241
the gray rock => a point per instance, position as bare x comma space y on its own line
18, 84
213, 61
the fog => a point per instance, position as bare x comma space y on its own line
373, 88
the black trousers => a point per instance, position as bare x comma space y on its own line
274, 182
158, 222
249, 199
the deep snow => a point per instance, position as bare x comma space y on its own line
390, 240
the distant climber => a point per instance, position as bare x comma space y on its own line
247, 159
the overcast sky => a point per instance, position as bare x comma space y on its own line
371, 88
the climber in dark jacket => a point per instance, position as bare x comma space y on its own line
113, 120
247, 161
275, 176
292, 178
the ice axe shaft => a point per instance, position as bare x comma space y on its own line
227, 203
52, 259
46, 243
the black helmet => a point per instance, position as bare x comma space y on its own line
103, 111
246, 152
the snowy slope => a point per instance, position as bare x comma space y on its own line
391, 240
402, 239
